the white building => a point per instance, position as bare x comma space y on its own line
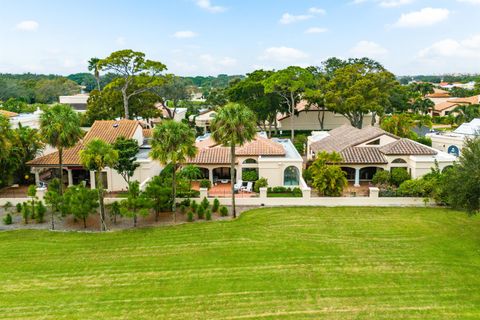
453, 142
77, 101
109, 131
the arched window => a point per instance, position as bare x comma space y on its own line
398, 160
249, 161
291, 176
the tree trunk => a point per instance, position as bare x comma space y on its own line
53, 220
174, 192
292, 112
232, 178
97, 78
321, 118
374, 115
103, 226
60, 162
84, 223
157, 213
125, 103
134, 220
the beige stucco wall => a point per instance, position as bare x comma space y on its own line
308, 120
147, 169
442, 142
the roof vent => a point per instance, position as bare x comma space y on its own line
115, 125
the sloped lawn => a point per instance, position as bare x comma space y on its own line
275, 263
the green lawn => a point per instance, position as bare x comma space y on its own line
289, 263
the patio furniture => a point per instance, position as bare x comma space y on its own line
238, 185
224, 181
248, 188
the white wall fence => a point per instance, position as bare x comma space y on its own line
307, 200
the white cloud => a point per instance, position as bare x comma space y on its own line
283, 54
121, 41
470, 1
315, 30
288, 18
449, 48
208, 6
314, 10
368, 49
184, 34
394, 3
27, 25
423, 18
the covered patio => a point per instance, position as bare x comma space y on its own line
223, 190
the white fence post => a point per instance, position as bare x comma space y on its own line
306, 192
263, 193
374, 192
41, 193
203, 193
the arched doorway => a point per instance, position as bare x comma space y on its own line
291, 176
350, 173
366, 174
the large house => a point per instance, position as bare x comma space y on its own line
368, 150
453, 142
446, 107
109, 131
277, 160
76, 101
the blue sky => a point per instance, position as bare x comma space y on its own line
207, 37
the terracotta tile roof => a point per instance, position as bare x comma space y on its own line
147, 133
347, 136
438, 93
451, 103
363, 155
8, 114
106, 130
211, 152
301, 106
218, 155
406, 147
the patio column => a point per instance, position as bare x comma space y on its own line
357, 177
70, 177
210, 175
37, 176
92, 180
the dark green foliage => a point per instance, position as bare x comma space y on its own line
300, 143
159, 192
201, 212
127, 156
114, 211
194, 206
205, 203
135, 204
81, 202
224, 211
260, 183
8, 219
424, 140
190, 216
183, 209
208, 214
26, 212
185, 203
18, 207
216, 205
249, 175
416, 188
398, 176
284, 192
40, 212
381, 178
205, 183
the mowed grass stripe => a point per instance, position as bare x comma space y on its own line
287, 263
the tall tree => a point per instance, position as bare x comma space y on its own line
135, 204
399, 124
233, 126
81, 202
54, 200
60, 127
133, 70
27, 145
172, 93
93, 66
173, 142
96, 156
466, 113
356, 90
289, 84
159, 194
127, 157
328, 178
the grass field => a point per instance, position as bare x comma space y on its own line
289, 263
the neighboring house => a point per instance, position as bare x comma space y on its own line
178, 113
31, 120
203, 120
109, 131
453, 142
277, 160
308, 118
77, 101
439, 96
368, 150
8, 114
446, 107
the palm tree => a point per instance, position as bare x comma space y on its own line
466, 113
93, 66
234, 125
96, 156
173, 142
191, 172
60, 127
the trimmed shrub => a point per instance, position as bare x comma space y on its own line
19, 207
398, 176
188, 194
416, 188
297, 192
208, 215
381, 178
224, 211
424, 140
8, 219
7, 206
260, 183
190, 216
205, 203
185, 203
183, 209
200, 212
388, 192
41, 210
216, 205
26, 212
194, 206
205, 183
